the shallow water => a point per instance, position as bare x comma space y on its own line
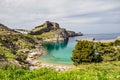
61, 52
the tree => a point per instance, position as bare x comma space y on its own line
84, 52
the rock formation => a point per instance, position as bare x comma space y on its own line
73, 34
50, 31
46, 27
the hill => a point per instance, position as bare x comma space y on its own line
14, 46
51, 31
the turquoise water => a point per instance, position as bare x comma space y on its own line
61, 52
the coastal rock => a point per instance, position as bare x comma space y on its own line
51, 32
73, 34
46, 27
54, 36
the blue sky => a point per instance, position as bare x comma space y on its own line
87, 16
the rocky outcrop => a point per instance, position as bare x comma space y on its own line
73, 34
55, 35
50, 31
46, 27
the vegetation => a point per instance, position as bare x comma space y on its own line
47, 35
109, 51
51, 34
12, 47
85, 51
39, 27
117, 42
101, 71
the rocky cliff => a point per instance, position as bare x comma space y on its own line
46, 27
50, 31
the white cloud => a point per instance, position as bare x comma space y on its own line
29, 13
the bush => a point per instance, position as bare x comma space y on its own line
117, 42
85, 52
109, 51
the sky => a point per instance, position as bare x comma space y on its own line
86, 16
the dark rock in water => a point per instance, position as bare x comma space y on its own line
79, 34
73, 34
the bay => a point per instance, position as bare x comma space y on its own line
61, 52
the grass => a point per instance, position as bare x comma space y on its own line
100, 71
48, 35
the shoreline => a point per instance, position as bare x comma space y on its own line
34, 63
110, 40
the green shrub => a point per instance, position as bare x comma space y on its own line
85, 52
109, 51
117, 42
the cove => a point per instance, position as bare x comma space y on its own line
59, 52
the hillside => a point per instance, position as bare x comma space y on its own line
14, 46
4, 30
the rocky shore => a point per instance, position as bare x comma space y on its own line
34, 63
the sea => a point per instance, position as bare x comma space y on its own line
61, 52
